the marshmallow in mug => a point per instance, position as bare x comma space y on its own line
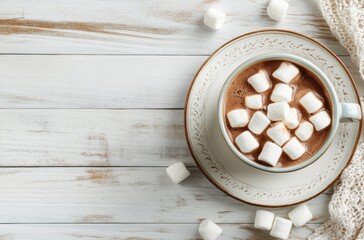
270, 153
281, 228
286, 72
254, 101
258, 123
178, 172
238, 118
214, 18
294, 148
277, 9
209, 230
278, 111
281, 93
304, 131
293, 119
246, 142
300, 215
263, 220
260, 81
279, 133
320, 120
311, 102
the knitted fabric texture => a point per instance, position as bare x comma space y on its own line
346, 20
347, 204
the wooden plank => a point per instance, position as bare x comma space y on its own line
74, 137
121, 195
100, 81
95, 81
138, 232
142, 27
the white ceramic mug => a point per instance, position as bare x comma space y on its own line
340, 112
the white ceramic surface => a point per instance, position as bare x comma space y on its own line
212, 153
337, 115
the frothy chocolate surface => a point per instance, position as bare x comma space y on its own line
306, 81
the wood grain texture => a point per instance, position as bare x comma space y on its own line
95, 81
121, 195
138, 232
143, 27
118, 107
75, 137
101, 81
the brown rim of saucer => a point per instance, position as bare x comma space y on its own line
188, 96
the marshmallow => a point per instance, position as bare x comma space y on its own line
260, 81
270, 153
281, 228
178, 172
238, 118
246, 142
300, 215
263, 220
214, 19
258, 123
311, 102
286, 72
254, 101
278, 111
279, 134
209, 230
294, 149
320, 120
293, 119
277, 9
281, 93
304, 131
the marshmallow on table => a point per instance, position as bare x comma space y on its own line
258, 123
246, 142
294, 148
277, 9
214, 18
300, 215
304, 131
260, 81
281, 228
270, 153
178, 172
279, 134
311, 102
254, 101
281, 93
293, 119
263, 220
278, 111
238, 118
209, 230
320, 120
286, 72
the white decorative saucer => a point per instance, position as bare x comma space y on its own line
218, 162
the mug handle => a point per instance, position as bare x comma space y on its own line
350, 112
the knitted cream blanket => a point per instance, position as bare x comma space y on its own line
346, 20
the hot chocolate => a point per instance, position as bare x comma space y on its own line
277, 113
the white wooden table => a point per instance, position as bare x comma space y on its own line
91, 108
